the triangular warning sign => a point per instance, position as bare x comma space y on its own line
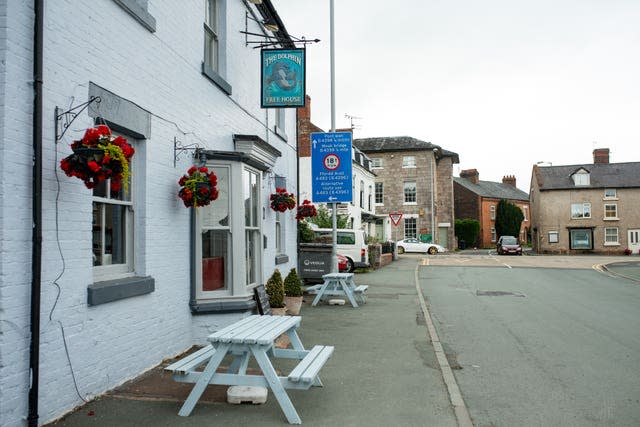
395, 217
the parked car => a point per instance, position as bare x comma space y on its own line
414, 245
508, 245
343, 263
351, 244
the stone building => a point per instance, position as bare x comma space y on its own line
476, 199
123, 280
415, 178
586, 208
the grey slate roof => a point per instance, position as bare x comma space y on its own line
609, 175
496, 190
400, 143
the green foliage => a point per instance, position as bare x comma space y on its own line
292, 284
305, 233
275, 289
467, 229
509, 218
324, 219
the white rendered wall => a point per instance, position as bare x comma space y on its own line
97, 41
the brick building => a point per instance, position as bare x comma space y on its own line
126, 279
475, 199
416, 178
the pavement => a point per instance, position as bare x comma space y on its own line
384, 371
388, 368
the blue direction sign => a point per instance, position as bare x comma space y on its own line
331, 167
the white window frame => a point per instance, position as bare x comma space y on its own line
492, 214
583, 208
226, 190
494, 236
377, 163
408, 162
253, 266
280, 126
525, 213
410, 223
415, 193
611, 236
114, 271
610, 194
379, 193
554, 236
608, 212
236, 265
581, 178
212, 35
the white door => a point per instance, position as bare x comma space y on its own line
634, 241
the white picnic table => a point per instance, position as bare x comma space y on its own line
253, 336
339, 284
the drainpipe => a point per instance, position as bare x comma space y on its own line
36, 197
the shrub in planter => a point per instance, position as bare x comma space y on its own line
293, 292
275, 290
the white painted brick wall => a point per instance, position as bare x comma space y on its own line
95, 40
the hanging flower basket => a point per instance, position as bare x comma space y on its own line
99, 156
198, 187
281, 201
306, 210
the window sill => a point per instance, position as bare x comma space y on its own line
282, 258
223, 306
140, 14
216, 79
580, 219
612, 244
114, 290
410, 203
611, 219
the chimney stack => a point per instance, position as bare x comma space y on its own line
601, 156
470, 174
509, 179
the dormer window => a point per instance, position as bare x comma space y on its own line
581, 177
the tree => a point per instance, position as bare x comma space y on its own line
324, 218
509, 218
467, 230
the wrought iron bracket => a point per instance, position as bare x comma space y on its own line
179, 149
268, 40
64, 119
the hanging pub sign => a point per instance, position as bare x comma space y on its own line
283, 78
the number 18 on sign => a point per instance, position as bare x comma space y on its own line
331, 167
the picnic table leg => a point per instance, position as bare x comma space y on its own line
320, 292
276, 386
239, 364
347, 290
203, 380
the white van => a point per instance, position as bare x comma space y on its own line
350, 243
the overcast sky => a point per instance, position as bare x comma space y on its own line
503, 83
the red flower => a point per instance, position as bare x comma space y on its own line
192, 169
93, 166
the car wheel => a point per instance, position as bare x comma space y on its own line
432, 250
350, 265
400, 250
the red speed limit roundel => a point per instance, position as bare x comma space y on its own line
331, 161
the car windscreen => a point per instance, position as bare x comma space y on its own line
510, 241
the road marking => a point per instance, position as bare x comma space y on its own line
506, 265
455, 396
425, 261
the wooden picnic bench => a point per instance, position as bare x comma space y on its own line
253, 336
